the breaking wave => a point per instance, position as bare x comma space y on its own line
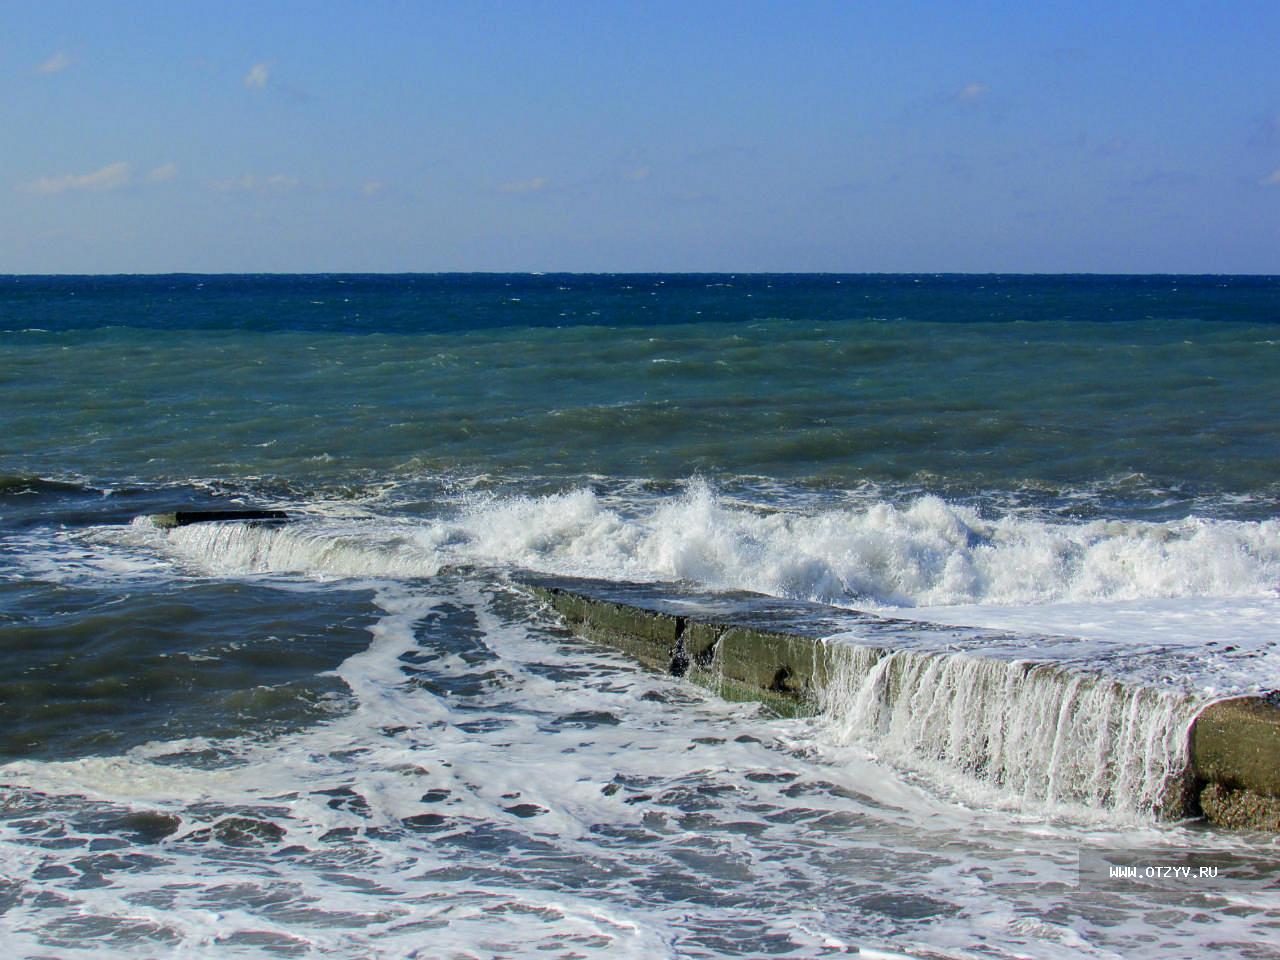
925, 553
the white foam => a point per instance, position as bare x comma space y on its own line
928, 553
329, 547
1222, 645
64, 556
1014, 735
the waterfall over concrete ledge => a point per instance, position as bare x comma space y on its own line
954, 700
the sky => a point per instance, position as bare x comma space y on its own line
602, 136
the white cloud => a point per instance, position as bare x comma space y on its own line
532, 185
372, 187
1271, 181
636, 174
108, 178
257, 76
166, 171
972, 91
250, 183
55, 64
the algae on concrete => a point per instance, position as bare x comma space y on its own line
1235, 759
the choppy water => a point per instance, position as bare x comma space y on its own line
350, 736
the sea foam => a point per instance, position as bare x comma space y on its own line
925, 553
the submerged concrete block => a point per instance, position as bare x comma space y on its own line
777, 663
182, 518
650, 637
743, 646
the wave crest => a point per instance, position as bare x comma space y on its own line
925, 553
929, 552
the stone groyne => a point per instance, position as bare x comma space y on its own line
1052, 731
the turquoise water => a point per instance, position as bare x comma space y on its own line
949, 383
349, 736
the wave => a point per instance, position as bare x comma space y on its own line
11, 485
924, 553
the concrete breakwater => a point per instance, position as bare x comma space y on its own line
965, 700
185, 518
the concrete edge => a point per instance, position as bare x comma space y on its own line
184, 518
1233, 773
780, 670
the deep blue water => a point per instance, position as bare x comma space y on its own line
457, 303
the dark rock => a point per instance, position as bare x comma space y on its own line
183, 518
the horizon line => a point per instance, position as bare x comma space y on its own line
635, 273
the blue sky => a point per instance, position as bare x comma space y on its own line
381, 136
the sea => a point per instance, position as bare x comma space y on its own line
355, 735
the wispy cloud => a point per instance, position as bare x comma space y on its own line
975, 98
371, 188
110, 177
262, 77
251, 183
1271, 181
256, 78
636, 174
55, 64
532, 185
166, 171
